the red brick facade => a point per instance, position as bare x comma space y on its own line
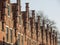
17, 28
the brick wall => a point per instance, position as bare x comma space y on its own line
17, 28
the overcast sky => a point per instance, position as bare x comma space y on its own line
50, 8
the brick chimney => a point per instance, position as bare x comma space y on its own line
19, 7
33, 18
27, 11
33, 14
18, 2
38, 19
27, 7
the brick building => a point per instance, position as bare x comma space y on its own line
17, 28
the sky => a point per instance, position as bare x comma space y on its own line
50, 8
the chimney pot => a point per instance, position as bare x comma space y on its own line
27, 10
27, 4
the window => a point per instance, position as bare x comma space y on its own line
39, 33
6, 33
20, 19
28, 42
8, 10
46, 32
3, 40
22, 40
2, 26
18, 41
50, 36
34, 43
15, 32
29, 26
11, 32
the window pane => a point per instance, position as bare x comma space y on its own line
20, 20
8, 10
28, 42
11, 35
18, 42
6, 33
22, 41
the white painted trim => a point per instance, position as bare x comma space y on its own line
8, 4
7, 26
9, 16
20, 33
11, 28
10, 43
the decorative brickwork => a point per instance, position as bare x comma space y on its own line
17, 28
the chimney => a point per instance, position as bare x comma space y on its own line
19, 6
27, 11
27, 7
18, 2
33, 13
33, 17
38, 19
